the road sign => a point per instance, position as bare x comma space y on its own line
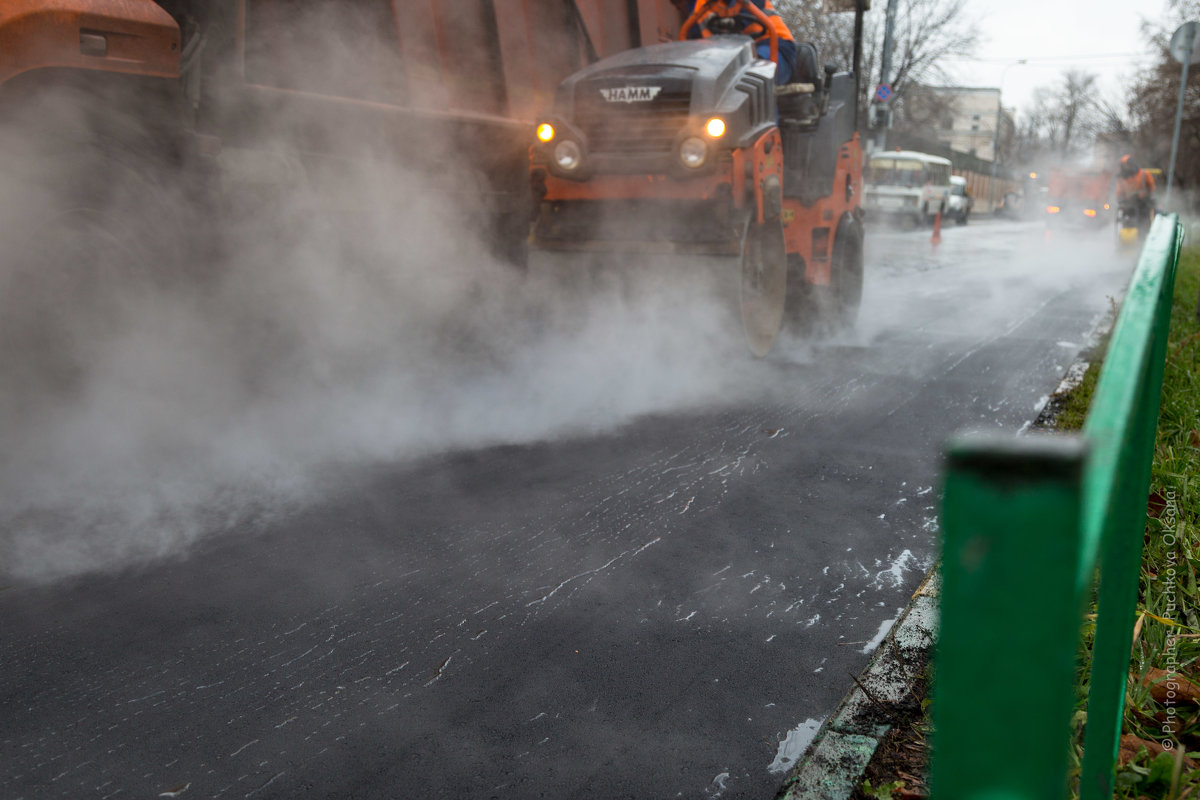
883, 93
1185, 44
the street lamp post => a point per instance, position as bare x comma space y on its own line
996, 132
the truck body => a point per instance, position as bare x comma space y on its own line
404, 78
133, 130
1079, 197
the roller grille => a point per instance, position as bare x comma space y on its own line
642, 128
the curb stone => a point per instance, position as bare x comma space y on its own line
832, 766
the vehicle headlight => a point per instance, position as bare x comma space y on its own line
567, 155
715, 127
545, 132
693, 152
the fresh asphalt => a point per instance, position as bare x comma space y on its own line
666, 608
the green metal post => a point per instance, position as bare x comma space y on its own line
1121, 428
1006, 655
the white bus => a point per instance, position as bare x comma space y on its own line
907, 186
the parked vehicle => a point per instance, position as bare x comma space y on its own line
961, 202
1011, 206
907, 187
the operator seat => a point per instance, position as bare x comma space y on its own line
806, 63
799, 102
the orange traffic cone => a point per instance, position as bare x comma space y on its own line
936, 239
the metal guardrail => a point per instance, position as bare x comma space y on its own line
1026, 524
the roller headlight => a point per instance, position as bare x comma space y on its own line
567, 155
693, 152
715, 127
545, 132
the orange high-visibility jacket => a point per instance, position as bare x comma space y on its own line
731, 8
1140, 183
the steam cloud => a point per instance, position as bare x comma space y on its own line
165, 378
162, 388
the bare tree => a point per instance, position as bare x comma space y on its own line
1037, 129
1063, 120
926, 33
1077, 108
1153, 100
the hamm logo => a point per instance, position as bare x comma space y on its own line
631, 94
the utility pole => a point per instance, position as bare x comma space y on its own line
859, 7
1183, 50
885, 71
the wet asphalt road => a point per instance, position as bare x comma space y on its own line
666, 608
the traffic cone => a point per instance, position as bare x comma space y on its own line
936, 239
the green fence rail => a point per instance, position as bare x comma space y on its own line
1027, 522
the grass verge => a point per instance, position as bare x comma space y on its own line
1159, 757
1160, 744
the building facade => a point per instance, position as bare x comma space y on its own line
961, 118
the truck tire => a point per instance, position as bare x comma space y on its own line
510, 240
816, 311
763, 286
802, 307
846, 271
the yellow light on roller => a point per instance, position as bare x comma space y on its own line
545, 132
715, 127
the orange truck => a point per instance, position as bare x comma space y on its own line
1079, 197
113, 110
192, 76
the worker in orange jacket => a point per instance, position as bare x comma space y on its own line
744, 21
1135, 186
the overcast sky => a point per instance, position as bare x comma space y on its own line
1100, 36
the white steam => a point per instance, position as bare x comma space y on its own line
337, 316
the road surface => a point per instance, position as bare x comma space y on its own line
655, 585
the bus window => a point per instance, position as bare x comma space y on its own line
896, 172
908, 173
880, 170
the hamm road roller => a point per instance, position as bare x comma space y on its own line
689, 147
